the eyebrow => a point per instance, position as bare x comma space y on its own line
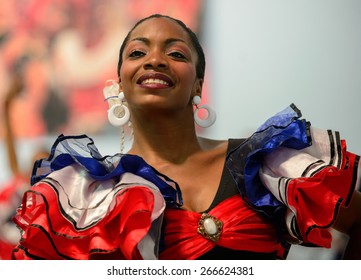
167, 41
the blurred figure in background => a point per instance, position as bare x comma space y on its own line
12, 191
26, 47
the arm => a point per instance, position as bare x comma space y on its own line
15, 88
349, 222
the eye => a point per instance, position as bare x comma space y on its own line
177, 55
136, 53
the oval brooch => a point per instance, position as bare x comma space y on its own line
209, 227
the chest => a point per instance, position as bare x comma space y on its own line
198, 180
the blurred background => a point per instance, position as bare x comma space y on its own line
55, 56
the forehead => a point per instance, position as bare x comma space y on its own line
159, 28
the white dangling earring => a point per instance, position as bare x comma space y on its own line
211, 118
116, 110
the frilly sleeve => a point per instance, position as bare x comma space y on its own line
291, 167
83, 205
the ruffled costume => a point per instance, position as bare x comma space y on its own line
306, 169
82, 204
85, 206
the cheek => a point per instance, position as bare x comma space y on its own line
126, 74
189, 75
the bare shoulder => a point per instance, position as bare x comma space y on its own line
208, 144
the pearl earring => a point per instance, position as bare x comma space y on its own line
211, 114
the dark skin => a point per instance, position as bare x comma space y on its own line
163, 122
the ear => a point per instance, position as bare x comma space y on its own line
111, 92
198, 86
120, 86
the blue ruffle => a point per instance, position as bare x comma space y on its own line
81, 150
283, 129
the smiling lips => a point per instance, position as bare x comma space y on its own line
155, 80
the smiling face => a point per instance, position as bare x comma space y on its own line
159, 66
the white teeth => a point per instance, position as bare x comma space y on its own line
154, 81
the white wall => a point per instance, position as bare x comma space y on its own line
265, 54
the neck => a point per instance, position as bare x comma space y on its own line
164, 139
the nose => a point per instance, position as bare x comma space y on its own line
156, 60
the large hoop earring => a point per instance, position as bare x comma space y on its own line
211, 118
116, 110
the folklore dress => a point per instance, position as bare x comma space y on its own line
286, 179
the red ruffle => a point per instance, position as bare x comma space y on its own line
49, 235
316, 200
243, 229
